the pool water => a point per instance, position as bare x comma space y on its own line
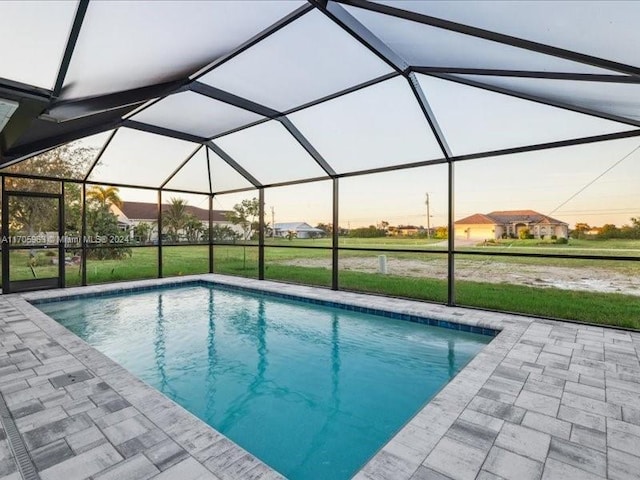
312, 391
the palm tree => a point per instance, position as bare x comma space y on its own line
105, 196
175, 218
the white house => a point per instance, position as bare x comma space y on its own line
132, 214
299, 229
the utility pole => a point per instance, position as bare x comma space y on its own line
428, 218
273, 224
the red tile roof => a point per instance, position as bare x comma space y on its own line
149, 212
508, 216
477, 219
524, 216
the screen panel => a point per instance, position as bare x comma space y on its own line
593, 291
606, 29
377, 126
302, 62
299, 214
224, 177
157, 42
270, 154
193, 176
33, 37
398, 210
71, 160
476, 120
140, 158
195, 114
185, 218
577, 200
621, 99
427, 46
236, 218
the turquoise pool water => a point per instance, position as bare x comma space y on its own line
312, 391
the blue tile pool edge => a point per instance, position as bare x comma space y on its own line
491, 332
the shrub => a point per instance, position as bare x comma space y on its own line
554, 237
562, 241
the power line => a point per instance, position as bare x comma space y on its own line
595, 180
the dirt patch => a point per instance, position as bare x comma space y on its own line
544, 276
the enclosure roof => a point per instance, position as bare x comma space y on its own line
217, 96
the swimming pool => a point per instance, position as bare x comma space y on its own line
313, 391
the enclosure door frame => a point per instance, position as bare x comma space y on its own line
15, 286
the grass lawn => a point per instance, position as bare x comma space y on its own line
611, 247
347, 242
607, 308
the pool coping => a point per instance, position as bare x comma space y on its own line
416, 447
434, 322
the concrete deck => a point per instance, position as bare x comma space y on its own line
544, 399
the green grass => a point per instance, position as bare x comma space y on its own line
610, 247
591, 307
428, 289
143, 263
347, 242
178, 261
605, 308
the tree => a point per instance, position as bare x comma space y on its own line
102, 223
245, 215
609, 231
580, 230
383, 225
143, 232
327, 228
105, 196
634, 228
102, 226
29, 214
223, 233
442, 233
193, 229
174, 218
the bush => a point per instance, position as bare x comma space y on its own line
562, 241
523, 234
367, 232
554, 237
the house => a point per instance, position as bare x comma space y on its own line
299, 229
131, 214
509, 223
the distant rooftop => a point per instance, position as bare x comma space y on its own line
508, 216
149, 212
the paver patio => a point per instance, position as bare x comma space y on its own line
544, 399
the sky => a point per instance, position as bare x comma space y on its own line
541, 181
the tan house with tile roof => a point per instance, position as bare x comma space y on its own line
509, 223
